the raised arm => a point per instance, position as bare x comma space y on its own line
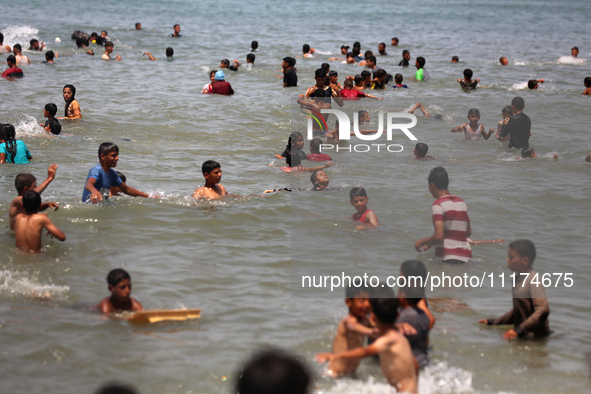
50, 177
150, 56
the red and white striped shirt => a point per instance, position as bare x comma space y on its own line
453, 212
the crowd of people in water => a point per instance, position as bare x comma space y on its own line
379, 322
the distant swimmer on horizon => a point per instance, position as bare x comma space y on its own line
254, 46
503, 60
72, 108
468, 83
119, 282
138, 26
212, 172
473, 130
177, 31
29, 225
366, 216
12, 71
108, 50
533, 84
587, 83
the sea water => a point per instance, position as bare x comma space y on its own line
241, 259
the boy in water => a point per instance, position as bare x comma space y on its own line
225, 63
315, 154
506, 113
532, 84
421, 150
421, 74
398, 78
102, 176
359, 200
52, 125
12, 71
319, 180
177, 31
451, 224
587, 83
212, 173
25, 183
405, 58
49, 56
396, 359
352, 332
120, 300
529, 315
518, 128
468, 83
29, 225
473, 130
503, 60
108, 50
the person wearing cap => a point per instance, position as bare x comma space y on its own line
220, 86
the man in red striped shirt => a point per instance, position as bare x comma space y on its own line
450, 222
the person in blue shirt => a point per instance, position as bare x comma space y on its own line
11, 149
102, 176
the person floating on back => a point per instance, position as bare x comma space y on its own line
102, 177
366, 216
451, 224
473, 130
25, 182
120, 300
529, 315
29, 225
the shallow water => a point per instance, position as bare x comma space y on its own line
240, 259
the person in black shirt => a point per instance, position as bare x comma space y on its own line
518, 127
290, 78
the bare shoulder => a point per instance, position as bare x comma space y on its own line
135, 305
199, 192
17, 202
105, 306
223, 190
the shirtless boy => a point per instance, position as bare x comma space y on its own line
212, 173
120, 300
29, 225
396, 359
24, 183
108, 50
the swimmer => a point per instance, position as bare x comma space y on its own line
254, 46
473, 130
364, 215
398, 78
4, 48
574, 52
29, 225
294, 164
421, 150
72, 108
207, 87
108, 50
138, 26
405, 62
532, 84
455, 59
52, 125
12, 150
468, 83
315, 154
307, 51
177, 31
212, 172
21, 59
12, 71
506, 113
382, 49
36, 45
119, 282
587, 83
503, 60
225, 63
49, 56
394, 41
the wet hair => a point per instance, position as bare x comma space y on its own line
367, 54
320, 73
106, 148
587, 81
362, 112
73, 89
355, 51
518, 103
365, 74
250, 57
501, 59
405, 52
527, 152
116, 388
412, 291
384, 305
325, 67
122, 176
1, 38
358, 79
49, 55
11, 59
381, 73
348, 84
382, 43
176, 25
354, 291
315, 145
357, 192
576, 48
54, 126
17, 47
356, 45
254, 45
532, 83
507, 110
109, 44
79, 42
371, 58
422, 149
273, 371
51, 108
398, 78
306, 48
209, 166
313, 177
33, 41
225, 62
473, 111
333, 73
137, 24
350, 54
169, 52
421, 61
468, 73
293, 136
31, 201
395, 39
524, 248
23, 180
9, 137
117, 275
438, 176
455, 59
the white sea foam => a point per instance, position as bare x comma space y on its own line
15, 34
15, 284
29, 127
570, 60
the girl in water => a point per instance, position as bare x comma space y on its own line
295, 143
72, 108
11, 149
